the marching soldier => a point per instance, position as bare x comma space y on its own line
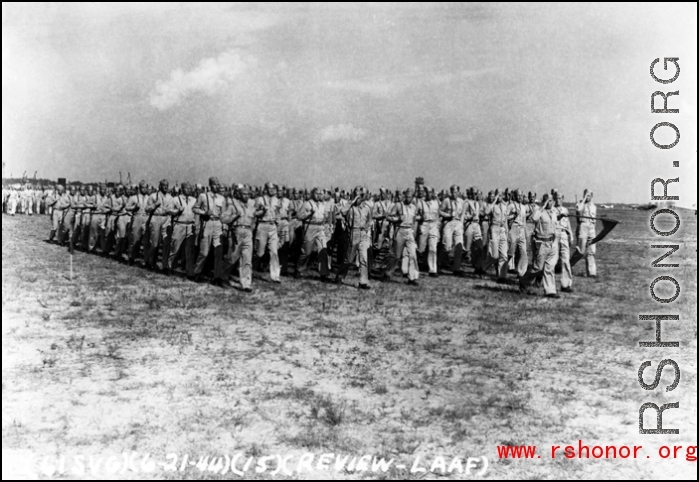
136, 206
452, 211
12, 199
56, 213
403, 214
210, 207
158, 208
99, 206
267, 237
283, 230
67, 204
314, 218
587, 230
183, 237
242, 216
517, 242
118, 223
497, 213
428, 227
358, 215
545, 219
485, 225
472, 230
564, 239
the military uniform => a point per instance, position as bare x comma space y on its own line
546, 248
587, 230
497, 246
139, 217
359, 221
428, 231
564, 235
183, 233
267, 236
404, 240
158, 207
472, 232
517, 238
242, 216
212, 232
314, 238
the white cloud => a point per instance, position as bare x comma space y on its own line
211, 76
341, 132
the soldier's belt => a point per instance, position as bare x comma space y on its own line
405, 227
500, 225
545, 238
321, 223
188, 223
271, 221
241, 226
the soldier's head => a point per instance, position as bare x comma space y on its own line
453, 192
420, 191
187, 189
164, 186
214, 184
72, 189
359, 193
545, 201
270, 189
316, 194
407, 196
83, 190
429, 193
244, 194
90, 190
143, 187
60, 189
557, 198
103, 189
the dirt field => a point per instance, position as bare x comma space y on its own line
122, 360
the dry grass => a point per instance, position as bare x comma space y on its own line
121, 359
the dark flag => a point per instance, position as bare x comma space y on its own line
607, 226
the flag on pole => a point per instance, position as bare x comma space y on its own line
607, 226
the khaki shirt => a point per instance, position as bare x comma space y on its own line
316, 208
358, 217
429, 210
546, 221
139, 199
406, 213
271, 204
186, 203
455, 207
497, 214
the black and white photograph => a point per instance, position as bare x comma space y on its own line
349, 241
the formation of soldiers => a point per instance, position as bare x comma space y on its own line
26, 199
215, 231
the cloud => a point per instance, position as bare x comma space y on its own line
211, 76
341, 132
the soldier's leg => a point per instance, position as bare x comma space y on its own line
411, 248
591, 252
493, 248
537, 266
167, 241
273, 244
136, 233
190, 242
322, 250
395, 255
204, 247
261, 241
564, 255
523, 262
550, 268
244, 239
432, 242
306, 249
458, 247
179, 232
512, 247
503, 254
363, 255
93, 233
155, 235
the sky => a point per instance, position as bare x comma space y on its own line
530, 96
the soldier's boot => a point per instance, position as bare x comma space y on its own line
52, 235
458, 253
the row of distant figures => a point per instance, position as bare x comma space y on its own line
25, 206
